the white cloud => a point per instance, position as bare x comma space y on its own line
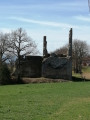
45, 23
5, 30
83, 18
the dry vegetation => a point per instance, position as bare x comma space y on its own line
42, 80
86, 75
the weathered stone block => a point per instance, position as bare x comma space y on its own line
57, 67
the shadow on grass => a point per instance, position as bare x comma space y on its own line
76, 79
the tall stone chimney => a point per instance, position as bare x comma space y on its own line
70, 43
44, 47
70, 53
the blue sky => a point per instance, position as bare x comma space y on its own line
52, 18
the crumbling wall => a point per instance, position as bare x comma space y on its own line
56, 67
59, 67
48, 66
31, 66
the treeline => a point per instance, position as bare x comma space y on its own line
12, 46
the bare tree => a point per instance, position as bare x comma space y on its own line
4, 43
80, 50
89, 49
61, 51
21, 45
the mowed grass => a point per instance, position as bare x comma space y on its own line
48, 101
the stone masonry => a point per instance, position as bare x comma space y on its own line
49, 66
59, 67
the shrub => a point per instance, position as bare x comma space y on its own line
4, 74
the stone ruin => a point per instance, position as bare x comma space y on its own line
48, 66
58, 67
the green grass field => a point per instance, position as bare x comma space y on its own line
47, 101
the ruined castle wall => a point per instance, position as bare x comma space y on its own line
50, 66
31, 66
58, 68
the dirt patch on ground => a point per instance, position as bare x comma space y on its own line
42, 80
86, 75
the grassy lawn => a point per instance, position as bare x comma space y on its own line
48, 101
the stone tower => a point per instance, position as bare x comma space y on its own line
70, 43
70, 52
45, 53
